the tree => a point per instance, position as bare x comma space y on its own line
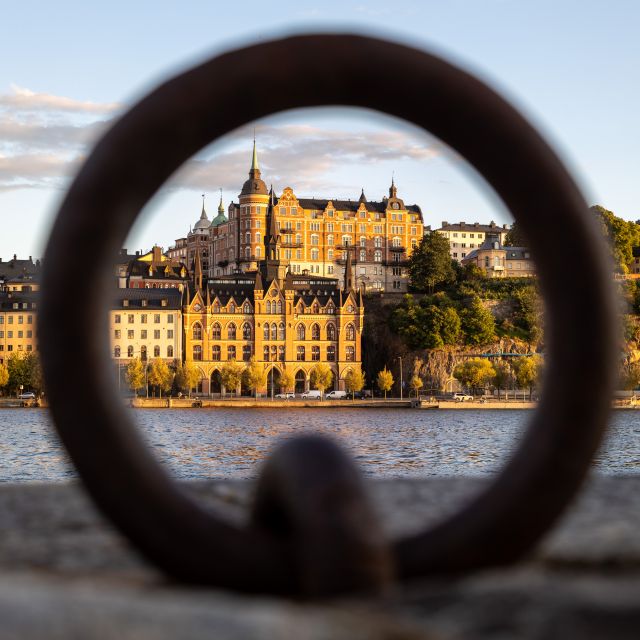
415, 384
430, 263
160, 375
21, 369
255, 376
354, 381
622, 235
187, 376
321, 377
477, 322
287, 381
474, 373
231, 375
528, 370
515, 237
4, 376
135, 375
629, 376
503, 376
385, 381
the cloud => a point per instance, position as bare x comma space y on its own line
23, 99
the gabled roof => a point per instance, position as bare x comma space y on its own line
351, 205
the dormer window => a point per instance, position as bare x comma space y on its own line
125, 303
145, 303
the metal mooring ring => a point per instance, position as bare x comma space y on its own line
186, 113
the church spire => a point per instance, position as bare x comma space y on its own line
203, 214
254, 159
221, 206
393, 190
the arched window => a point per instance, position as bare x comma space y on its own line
266, 331
170, 351
197, 331
281, 353
246, 352
298, 238
377, 242
143, 352
247, 252
274, 352
232, 307
315, 332
129, 351
246, 308
231, 332
315, 353
232, 254
274, 331
268, 306
216, 307
258, 238
300, 353
116, 352
331, 331
330, 254
350, 332
363, 241
351, 354
281, 330
377, 255
279, 306
231, 352
215, 352
314, 239
330, 241
315, 308
315, 254
346, 240
301, 332
265, 353
197, 352
156, 351
258, 251
246, 331
331, 353
363, 255
216, 332
396, 242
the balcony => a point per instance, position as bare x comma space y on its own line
397, 249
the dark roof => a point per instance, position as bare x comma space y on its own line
517, 253
492, 227
351, 205
16, 266
138, 268
9, 298
153, 297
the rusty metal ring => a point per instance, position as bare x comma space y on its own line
184, 114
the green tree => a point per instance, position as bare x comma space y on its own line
622, 235
503, 377
19, 372
187, 377
354, 381
287, 381
231, 375
321, 377
528, 371
160, 375
415, 384
385, 381
630, 376
430, 263
475, 373
515, 237
528, 313
4, 376
478, 324
135, 375
255, 376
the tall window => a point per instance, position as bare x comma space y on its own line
350, 332
246, 308
281, 331
363, 255
156, 351
331, 353
231, 352
330, 240
268, 306
246, 352
315, 254
232, 307
215, 352
265, 353
170, 351
315, 353
377, 242
314, 239
129, 351
279, 306
143, 352
197, 331
266, 331
331, 331
197, 352
274, 331
281, 353
363, 241
258, 238
274, 352
116, 352
231, 332
300, 353
301, 332
351, 354
377, 255
246, 331
216, 332
315, 332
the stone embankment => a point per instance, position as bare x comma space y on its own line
65, 573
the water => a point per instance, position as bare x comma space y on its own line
230, 443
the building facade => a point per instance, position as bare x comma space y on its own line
465, 237
316, 235
284, 320
153, 270
17, 323
498, 261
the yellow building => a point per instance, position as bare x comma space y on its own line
284, 320
315, 234
17, 323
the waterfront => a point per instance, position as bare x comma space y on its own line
230, 443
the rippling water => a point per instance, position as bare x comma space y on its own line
230, 443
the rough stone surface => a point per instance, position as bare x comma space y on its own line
65, 573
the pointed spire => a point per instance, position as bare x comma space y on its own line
272, 233
254, 160
203, 215
220, 206
348, 272
393, 190
362, 198
197, 272
258, 285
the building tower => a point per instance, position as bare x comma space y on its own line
274, 268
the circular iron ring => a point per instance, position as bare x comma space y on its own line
175, 121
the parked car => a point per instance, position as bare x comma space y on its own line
336, 395
362, 395
29, 395
314, 394
461, 397
285, 396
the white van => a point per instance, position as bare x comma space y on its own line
312, 395
336, 395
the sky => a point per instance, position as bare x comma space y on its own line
68, 68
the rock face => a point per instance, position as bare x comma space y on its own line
64, 573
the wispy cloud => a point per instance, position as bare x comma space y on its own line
25, 100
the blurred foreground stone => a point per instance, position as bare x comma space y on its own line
64, 573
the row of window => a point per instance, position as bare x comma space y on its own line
117, 334
117, 352
271, 353
131, 317
20, 347
271, 331
21, 319
20, 334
